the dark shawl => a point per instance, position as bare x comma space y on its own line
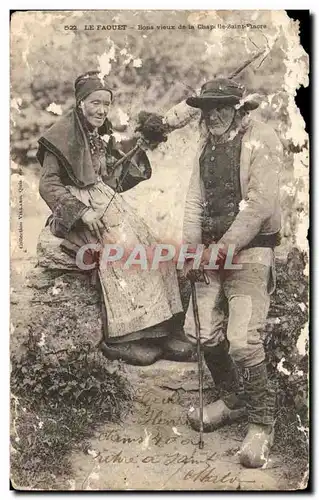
67, 140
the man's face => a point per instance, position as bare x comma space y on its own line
219, 119
95, 107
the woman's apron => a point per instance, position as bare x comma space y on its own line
135, 299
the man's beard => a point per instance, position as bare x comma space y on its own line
219, 130
222, 128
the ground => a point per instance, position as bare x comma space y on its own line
154, 448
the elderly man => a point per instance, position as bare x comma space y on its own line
233, 200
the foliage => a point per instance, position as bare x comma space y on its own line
288, 359
146, 69
58, 400
155, 69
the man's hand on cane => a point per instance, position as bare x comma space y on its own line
195, 274
199, 274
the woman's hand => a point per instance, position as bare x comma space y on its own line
93, 221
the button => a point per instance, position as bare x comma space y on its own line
231, 214
213, 148
212, 158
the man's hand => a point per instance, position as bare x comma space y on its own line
220, 258
93, 221
199, 274
194, 274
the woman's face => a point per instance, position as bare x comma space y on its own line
219, 119
95, 107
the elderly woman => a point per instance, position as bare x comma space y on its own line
79, 181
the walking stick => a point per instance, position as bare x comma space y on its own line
200, 364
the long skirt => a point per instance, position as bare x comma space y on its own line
135, 299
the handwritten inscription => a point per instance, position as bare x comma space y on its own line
157, 440
154, 413
209, 475
157, 417
151, 445
197, 467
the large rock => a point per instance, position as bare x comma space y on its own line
57, 310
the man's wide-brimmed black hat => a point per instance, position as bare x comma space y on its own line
221, 92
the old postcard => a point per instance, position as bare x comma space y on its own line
159, 253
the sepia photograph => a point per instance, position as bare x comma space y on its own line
159, 277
